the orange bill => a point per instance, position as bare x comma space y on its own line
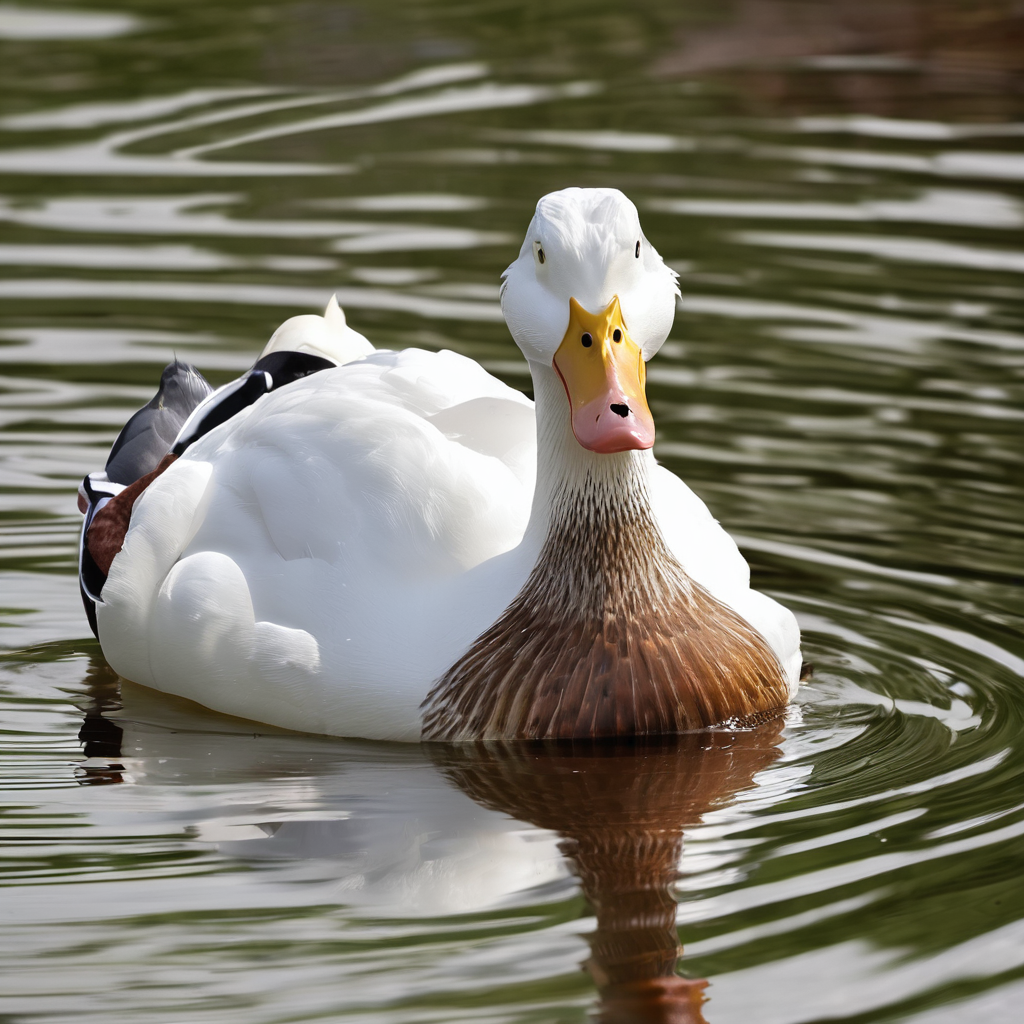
604, 375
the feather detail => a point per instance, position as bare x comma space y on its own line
608, 637
106, 533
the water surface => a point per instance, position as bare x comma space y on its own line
841, 188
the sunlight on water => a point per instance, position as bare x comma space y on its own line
18, 22
842, 193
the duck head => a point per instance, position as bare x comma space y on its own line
590, 299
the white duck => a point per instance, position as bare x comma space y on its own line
402, 547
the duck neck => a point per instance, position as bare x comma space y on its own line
571, 478
608, 636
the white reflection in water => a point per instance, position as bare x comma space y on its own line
398, 238
108, 155
1008, 166
393, 276
394, 838
378, 823
33, 23
486, 96
904, 128
292, 296
411, 202
94, 115
932, 206
874, 979
99, 159
610, 141
150, 257
116, 257
82, 346
907, 250
192, 215
858, 328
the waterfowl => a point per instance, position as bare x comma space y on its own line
396, 545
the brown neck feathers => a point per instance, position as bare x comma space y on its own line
608, 637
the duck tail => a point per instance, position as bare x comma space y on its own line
328, 336
139, 454
185, 408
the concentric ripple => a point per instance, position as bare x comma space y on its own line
843, 196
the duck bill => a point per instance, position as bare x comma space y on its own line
604, 375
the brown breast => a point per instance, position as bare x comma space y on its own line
608, 637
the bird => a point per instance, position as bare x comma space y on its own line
396, 545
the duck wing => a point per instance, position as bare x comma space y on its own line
185, 408
147, 437
319, 558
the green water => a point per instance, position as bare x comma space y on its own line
841, 187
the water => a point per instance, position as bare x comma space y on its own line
842, 189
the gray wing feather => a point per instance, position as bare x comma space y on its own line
148, 435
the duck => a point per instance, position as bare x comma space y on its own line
396, 545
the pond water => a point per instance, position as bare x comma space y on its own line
841, 188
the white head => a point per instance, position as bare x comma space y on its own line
582, 244
585, 271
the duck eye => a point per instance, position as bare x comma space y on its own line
616, 335
637, 253
540, 253
587, 340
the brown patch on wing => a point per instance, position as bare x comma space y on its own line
608, 637
109, 526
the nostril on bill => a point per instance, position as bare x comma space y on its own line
620, 410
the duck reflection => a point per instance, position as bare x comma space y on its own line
437, 830
621, 810
376, 823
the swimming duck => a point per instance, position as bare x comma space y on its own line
397, 545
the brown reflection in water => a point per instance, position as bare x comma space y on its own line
621, 810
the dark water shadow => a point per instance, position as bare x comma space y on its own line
101, 737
